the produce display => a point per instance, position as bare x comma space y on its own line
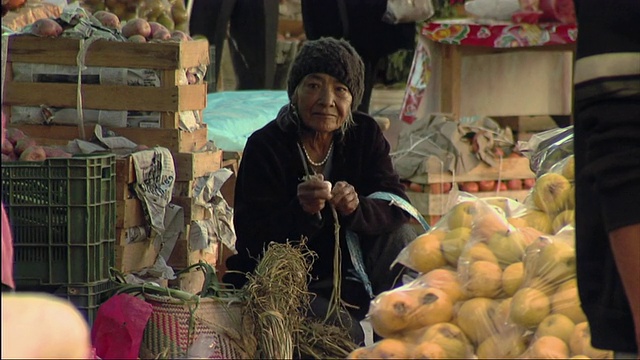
20, 147
497, 279
172, 14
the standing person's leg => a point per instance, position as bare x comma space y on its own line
211, 19
370, 66
254, 27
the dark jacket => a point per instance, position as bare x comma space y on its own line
370, 36
607, 160
266, 206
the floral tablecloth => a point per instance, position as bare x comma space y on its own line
466, 32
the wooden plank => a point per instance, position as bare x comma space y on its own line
63, 51
182, 256
107, 97
135, 256
451, 80
129, 213
512, 168
175, 140
192, 165
438, 204
192, 211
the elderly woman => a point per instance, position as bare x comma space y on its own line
319, 132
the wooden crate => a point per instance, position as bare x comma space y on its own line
192, 165
170, 59
175, 140
192, 211
135, 256
431, 204
182, 256
129, 213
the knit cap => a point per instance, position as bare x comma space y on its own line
335, 57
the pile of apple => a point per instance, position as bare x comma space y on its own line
170, 13
497, 280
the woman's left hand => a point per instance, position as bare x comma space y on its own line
344, 198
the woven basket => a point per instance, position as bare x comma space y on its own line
175, 324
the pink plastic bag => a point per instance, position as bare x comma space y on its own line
118, 328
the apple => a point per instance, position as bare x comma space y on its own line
476, 252
481, 279
424, 253
390, 311
529, 183
501, 317
461, 215
489, 220
440, 188
498, 152
514, 184
512, 278
580, 343
502, 346
428, 350
474, 318
548, 347
390, 349
487, 185
556, 262
557, 325
502, 186
445, 280
450, 337
568, 168
453, 244
566, 301
470, 187
529, 307
550, 193
563, 219
539, 220
434, 307
508, 247
415, 187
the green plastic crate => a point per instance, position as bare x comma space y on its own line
63, 215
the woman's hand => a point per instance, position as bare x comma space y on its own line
344, 198
313, 194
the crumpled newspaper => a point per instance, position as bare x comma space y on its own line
440, 137
219, 226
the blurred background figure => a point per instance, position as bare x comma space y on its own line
360, 23
607, 168
252, 27
36, 326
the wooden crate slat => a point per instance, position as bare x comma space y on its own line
135, 256
193, 165
175, 140
438, 204
107, 97
192, 211
63, 51
129, 213
512, 168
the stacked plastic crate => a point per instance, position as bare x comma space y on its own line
62, 214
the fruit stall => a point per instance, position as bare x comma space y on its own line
122, 204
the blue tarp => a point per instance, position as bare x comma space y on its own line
231, 116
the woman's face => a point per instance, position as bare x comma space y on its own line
323, 102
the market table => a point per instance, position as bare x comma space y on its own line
492, 69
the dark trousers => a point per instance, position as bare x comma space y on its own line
253, 27
379, 253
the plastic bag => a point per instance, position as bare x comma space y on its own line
546, 148
407, 11
118, 328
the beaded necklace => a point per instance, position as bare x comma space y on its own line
321, 163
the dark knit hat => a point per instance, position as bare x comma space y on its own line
332, 57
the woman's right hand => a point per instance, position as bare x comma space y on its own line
313, 194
